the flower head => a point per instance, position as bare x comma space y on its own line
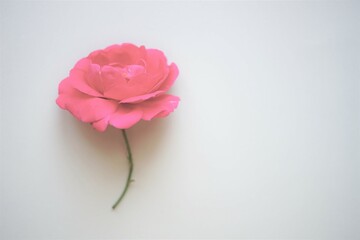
119, 86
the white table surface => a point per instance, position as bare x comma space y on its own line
265, 142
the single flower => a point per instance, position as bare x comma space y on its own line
119, 86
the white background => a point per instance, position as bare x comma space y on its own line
265, 142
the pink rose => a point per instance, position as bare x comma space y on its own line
119, 85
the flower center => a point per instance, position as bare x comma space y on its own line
131, 71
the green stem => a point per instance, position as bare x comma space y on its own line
129, 180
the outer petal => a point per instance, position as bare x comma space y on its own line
99, 57
169, 81
83, 64
141, 98
84, 107
82, 76
160, 106
125, 116
102, 124
155, 60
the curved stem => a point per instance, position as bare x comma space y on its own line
131, 165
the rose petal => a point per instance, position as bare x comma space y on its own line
159, 106
169, 81
132, 71
99, 57
78, 78
102, 124
125, 54
116, 86
141, 98
84, 107
83, 64
155, 61
125, 117
94, 79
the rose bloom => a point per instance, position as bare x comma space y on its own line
119, 85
